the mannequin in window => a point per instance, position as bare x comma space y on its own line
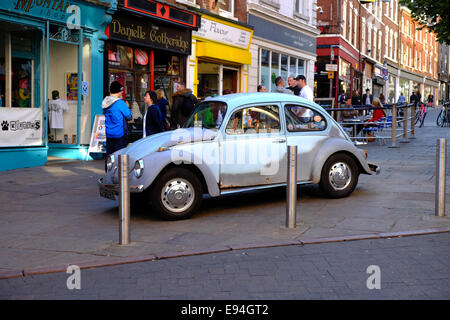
56, 107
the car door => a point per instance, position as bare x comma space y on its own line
306, 128
253, 147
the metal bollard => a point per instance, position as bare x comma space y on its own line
124, 200
413, 121
405, 125
394, 126
441, 162
291, 188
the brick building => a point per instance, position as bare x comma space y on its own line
353, 37
418, 58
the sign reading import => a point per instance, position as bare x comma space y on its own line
20, 127
141, 32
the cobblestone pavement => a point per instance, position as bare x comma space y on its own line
411, 268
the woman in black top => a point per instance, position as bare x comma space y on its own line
152, 119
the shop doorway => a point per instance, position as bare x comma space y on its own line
230, 80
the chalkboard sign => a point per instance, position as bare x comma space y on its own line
162, 82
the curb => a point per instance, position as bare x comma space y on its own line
33, 271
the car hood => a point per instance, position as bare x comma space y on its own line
167, 139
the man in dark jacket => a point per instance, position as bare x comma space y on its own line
367, 98
183, 103
116, 115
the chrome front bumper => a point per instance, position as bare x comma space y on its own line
374, 168
110, 191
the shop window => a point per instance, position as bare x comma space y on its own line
265, 68
21, 82
208, 79
227, 6
275, 70
254, 120
18, 69
299, 119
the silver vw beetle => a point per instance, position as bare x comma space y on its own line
236, 143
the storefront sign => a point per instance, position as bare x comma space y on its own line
141, 32
20, 127
283, 35
98, 135
216, 31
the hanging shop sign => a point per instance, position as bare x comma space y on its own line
20, 127
144, 33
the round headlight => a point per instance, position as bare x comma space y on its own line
139, 168
110, 162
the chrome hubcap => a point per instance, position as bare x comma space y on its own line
340, 176
177, 195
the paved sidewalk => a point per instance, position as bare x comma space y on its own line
53, 215
409, 268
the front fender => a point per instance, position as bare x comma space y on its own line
156, 162
336, 145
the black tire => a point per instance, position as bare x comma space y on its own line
440, 119
422, 121
336, 163
178, 182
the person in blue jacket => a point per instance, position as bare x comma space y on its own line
153, 118
116, 114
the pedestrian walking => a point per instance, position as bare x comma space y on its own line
305, 91
279, 82
293, 85
356, 98
116, 115
163, 105
183, 103
401, 99
152, 119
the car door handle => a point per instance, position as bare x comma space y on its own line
280, 140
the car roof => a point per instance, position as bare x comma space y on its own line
237, 99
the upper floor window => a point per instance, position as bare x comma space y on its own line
226, 6
302, 7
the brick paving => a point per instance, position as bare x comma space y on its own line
413, 267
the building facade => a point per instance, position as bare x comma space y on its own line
418, 58
48, 46
147, 49
284, 41
353, 37
443, 72
220, 57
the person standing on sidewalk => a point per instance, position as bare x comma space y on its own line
279, 82
116, 116
305, 91
293, 86
152, 120
183, 103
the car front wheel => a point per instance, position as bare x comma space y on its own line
177, 194
339, 176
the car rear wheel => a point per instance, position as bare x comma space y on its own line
177, 194
339, 176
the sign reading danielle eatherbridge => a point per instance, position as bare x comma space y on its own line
20, 127
140, 31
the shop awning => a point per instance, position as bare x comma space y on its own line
223, 52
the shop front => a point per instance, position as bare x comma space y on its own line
281, 49
220, 57
50, 78
147, 49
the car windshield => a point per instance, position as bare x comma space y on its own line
208, 114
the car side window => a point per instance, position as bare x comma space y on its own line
254, 120
300, 119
